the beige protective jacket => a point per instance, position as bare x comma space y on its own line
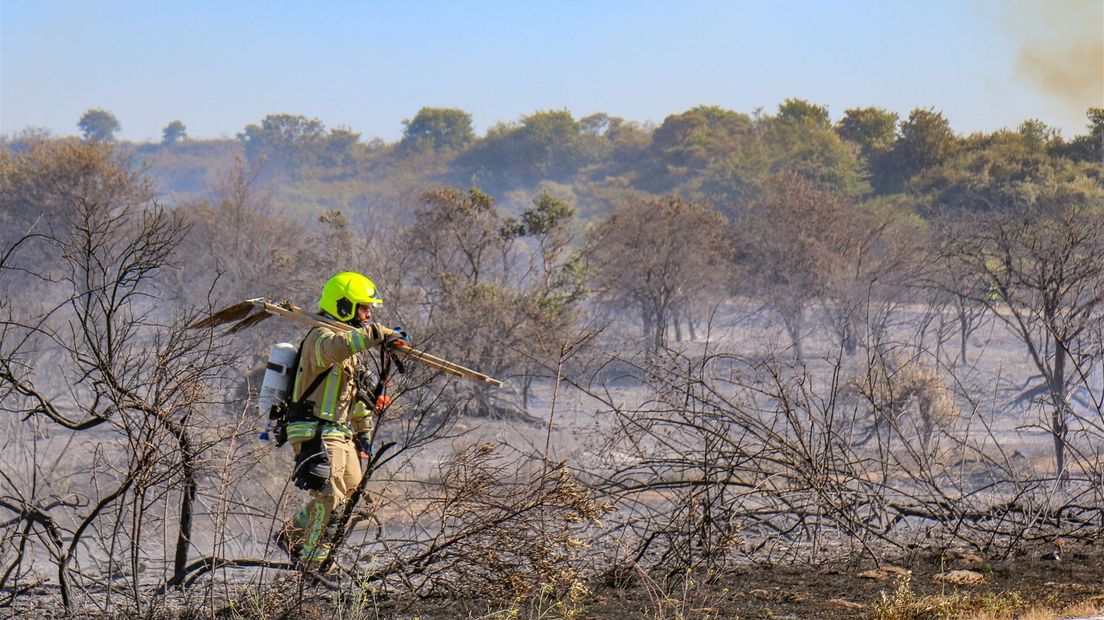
335, 399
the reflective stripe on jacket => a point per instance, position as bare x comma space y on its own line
335, 399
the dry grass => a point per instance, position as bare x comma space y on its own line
904, 604
894, 384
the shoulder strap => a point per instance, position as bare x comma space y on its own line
317, 380
314, 384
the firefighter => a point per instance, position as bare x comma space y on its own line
330, 425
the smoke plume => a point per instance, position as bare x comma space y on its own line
1061, 50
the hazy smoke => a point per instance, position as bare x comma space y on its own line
1061, 50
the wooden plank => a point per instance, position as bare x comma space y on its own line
452, 368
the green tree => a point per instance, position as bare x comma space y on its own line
338, 148
98, 125
601, 133
687, 144
1037, 136
714, 154
435, 130
994, 172
554, 286
173, 132
801, 139
545, 146
802, 112
615, 145
873, 129
284, 139
1096, 133
599, 124
1089, 147
926, 141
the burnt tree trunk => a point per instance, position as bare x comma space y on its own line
1058, 416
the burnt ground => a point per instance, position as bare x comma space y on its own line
1013, 585
844, 591
757, 591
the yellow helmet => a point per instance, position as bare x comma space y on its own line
344, 292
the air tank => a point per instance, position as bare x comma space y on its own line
278, 377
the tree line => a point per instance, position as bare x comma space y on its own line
707, 153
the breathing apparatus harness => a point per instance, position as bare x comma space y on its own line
312, 464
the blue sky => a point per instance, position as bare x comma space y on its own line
218, 66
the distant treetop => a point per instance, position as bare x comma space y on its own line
437, 129
173, 132
98, 125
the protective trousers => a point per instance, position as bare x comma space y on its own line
308, 526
